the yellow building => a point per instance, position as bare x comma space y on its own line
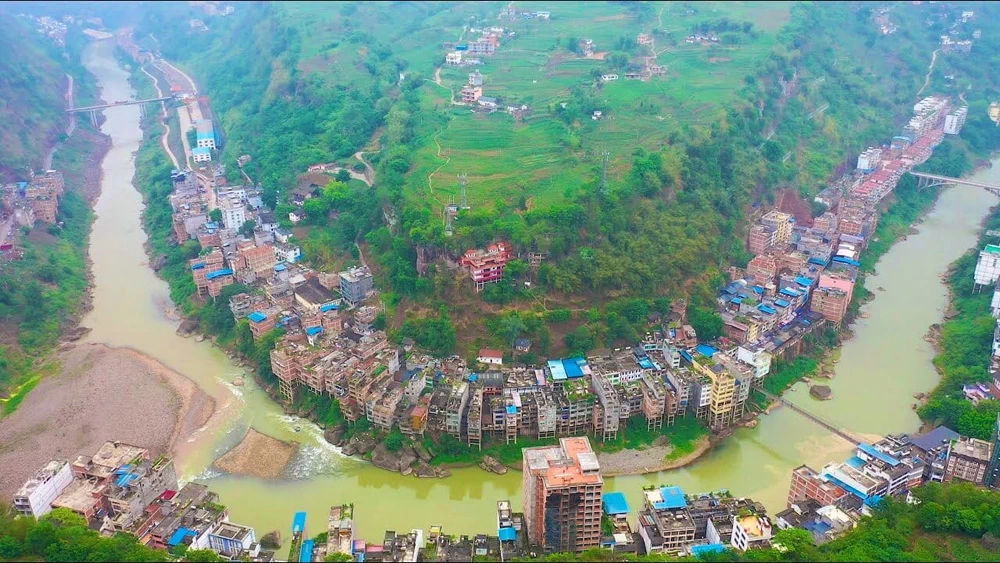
782, 224
723, 393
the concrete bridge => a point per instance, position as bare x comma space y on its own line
92, 111
833, 428
925, 180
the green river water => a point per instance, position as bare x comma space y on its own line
880, 369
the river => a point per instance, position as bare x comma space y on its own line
880, 369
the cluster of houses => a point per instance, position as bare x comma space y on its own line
831, 501
880, 16
487, 44
123, 488
802, 276
22, 204
509, 13
987, 273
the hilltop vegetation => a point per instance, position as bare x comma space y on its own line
785, 97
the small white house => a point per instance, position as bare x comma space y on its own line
490, 357
454, 58
294, 217
597, 115
608, 77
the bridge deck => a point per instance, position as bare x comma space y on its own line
126, 103
955, 180
827, 425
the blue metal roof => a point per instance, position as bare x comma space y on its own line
299, 522
198, 266
878, 455
556, 369
314, 330
790, 292
686, 355
329, 307
781, 303
764, 308
511, 409
706, 350
817, 261
306, 553
758, 289
673, 497
280, 268
507, 534
802, 280
218, 274
845, 486
573, 367
257, 316
201, 150
845, 260
737, 300
615, 503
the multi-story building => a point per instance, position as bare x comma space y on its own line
781, 223
340, 530
988, 266
832, 297
954, 121
664, 524
869, 159
256, 262
34, 498
204, 265
487, 266
968, 460
761, 239
562, 488
762, 269
231, 540
234, 213
808, 484
355, 284
205, 134
133, 487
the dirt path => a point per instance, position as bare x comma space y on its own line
194, 89
166, 126
930, 69
369, 176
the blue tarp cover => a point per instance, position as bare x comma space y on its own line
257, 316
878, 455
615, 503
802, 280
507, 534
329, 307
198, 266
218, 273
312, 331
299, 522
573, 367
766, 309
781, 303
179, 536
697, 550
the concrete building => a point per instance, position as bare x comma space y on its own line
664, 524
35, 497
231, 540
968, 459
781, 223
355, 284
487, 266
234, 214
831, 297
205, 134
988, 266
562, 488
201, 154
808, 484
954, 121
761, 239
869, 159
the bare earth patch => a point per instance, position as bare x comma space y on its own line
258, 455
100, 394
650, 460
719, 59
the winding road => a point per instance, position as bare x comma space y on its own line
930, 69
163, 114
47, 161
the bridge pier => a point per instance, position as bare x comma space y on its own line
93, 118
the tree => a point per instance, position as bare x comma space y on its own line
215, 215
706, 322
343, 176
338, 557
511, 326
202, 555
247, 228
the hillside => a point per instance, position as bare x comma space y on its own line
33, 83
782, 97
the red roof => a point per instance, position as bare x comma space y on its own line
168, 494
488, 353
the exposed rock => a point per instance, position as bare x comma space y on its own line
406, 458
492, 465
363, 444
238, 382
821, 392
199, 338
421, 452
951, 313
271, 540
384, 459
335, 435
424, 470
918, 396
158, 263
77, 333
187, 327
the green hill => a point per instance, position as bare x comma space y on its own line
782, 96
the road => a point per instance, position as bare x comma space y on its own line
163, 114
47, 161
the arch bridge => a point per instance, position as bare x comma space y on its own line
925, 180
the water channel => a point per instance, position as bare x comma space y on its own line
880, 369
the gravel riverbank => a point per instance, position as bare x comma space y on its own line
99, 393
258, 455
650, 460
